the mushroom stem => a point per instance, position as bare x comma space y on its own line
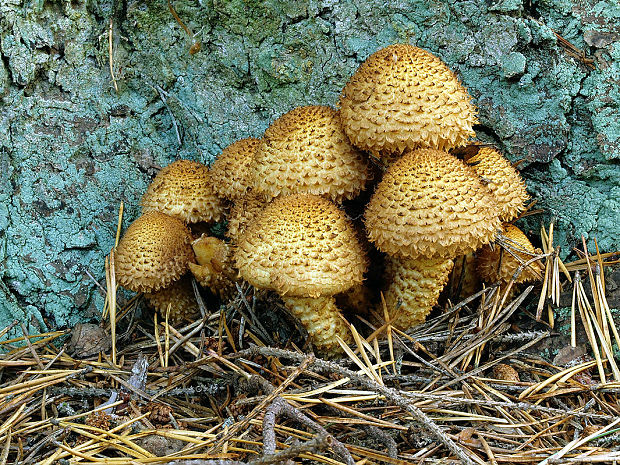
415, 287
321, 318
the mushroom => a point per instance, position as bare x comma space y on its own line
243, 212
303, 247
153, 253
179, 297
497, 265
306, 151
183, 190
214, 268
500, 176
403, 97
230, 173
428, 209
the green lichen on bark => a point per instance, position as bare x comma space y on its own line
71, 148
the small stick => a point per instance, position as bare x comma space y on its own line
280, 406
196, 45
388, 393
111, 55
32, 351
261, 406
164, 100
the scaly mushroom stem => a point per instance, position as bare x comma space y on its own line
321, 318
214, 269
415, 287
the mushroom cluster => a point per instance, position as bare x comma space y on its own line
285, 196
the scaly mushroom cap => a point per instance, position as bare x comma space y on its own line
403, 97
301, 245
230, 174
502, 178
180, 297
154, 252
305, 151
243, 212
431, 204
183, 190
488, 262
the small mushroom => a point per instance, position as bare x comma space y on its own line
403, 97
230, 173
497, 265
214, 268
501, 177
306, 151
428, 209
183, 190
303, 247
179, 297
153, 253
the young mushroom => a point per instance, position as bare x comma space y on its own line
403, 97
230, 173
214, 268
428, 209
153, 253
499, 263
178, 297
500, 176
183, 190
303, 247
306, 151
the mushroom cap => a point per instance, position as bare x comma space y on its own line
181, 299
305, 151
502, 178
230, 173
154, 252
403, 97
301, 246
488, 260
431, 204
183, 190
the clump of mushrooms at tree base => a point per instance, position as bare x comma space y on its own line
435, 202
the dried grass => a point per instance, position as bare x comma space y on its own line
431, 395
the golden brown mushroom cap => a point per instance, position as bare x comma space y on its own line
183, 190
230, 174
306, 151
154, 252
431, 204
301, 245
403, 97
488, 261
502, 178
